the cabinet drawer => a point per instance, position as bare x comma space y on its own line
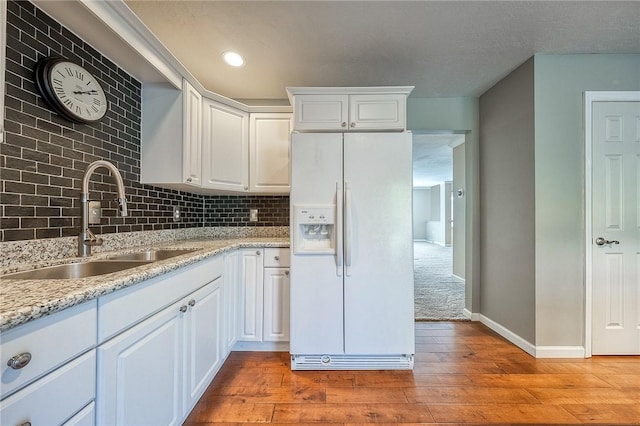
54, 398
86, 417
276, 257
51, 341
122, 309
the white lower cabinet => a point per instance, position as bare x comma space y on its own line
264, 301
139, 372
276, 305
204, 339
154, 372
38, 372
231, 291
56, 397
251, 294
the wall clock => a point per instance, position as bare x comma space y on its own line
70, 90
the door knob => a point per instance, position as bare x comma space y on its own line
601, 241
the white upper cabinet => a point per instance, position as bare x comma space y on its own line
171, 137
192, 139
225, 150
270, 152
321, 112
349, 108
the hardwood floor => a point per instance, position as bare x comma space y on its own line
464, 374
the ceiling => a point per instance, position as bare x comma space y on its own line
433, 158
444, 48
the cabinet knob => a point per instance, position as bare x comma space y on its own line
344, 124
183, 308
258, 253
19, 361
192, 302
276, 258
189, 179
353, 124
286, 273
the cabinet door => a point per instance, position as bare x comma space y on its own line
276, 304
192, 136
270, 152
225, 149
231, 292
377, 112
203, 340
251, 265
321, 112
139, 372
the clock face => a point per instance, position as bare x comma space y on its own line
71, 90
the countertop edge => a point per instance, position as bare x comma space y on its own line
26, 300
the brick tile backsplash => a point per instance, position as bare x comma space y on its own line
43, 156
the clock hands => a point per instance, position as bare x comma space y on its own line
85, 92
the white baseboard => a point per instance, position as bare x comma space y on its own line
473, 317
261, 346
458, 278
509, 335
535, 351
560, 352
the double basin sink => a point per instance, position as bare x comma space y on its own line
98, 267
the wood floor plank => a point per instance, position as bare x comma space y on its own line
351, 413
417, 380
559, 381
621, 380
586, 396
469, 395
365, 396
491, 413
464, 373
605, 413
271, 394
221, 410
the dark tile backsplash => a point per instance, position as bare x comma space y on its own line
43, 157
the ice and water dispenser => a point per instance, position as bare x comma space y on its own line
315, 229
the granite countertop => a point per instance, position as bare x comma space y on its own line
24, 300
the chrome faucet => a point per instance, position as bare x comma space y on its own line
86, 238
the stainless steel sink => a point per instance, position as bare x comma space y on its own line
75, 270
152, 255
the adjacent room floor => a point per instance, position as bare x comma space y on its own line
438, 294
463, 373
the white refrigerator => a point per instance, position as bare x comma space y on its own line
352, 251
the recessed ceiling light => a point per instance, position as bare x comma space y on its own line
233, 59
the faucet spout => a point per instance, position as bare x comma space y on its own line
86, 238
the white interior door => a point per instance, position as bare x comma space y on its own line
615, 241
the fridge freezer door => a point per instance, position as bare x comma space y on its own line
378, 291
316, 288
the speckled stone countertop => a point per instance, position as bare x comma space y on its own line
23, 300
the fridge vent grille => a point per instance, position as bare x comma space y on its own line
351, 362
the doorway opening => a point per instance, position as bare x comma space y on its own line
438, 226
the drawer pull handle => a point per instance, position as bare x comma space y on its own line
19, 361
183, 308
192, 302
25, 424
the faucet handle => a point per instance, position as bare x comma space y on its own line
92, 240
122, 206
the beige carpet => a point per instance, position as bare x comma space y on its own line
439, 296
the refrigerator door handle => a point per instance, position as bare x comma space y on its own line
348, 222
338, 229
